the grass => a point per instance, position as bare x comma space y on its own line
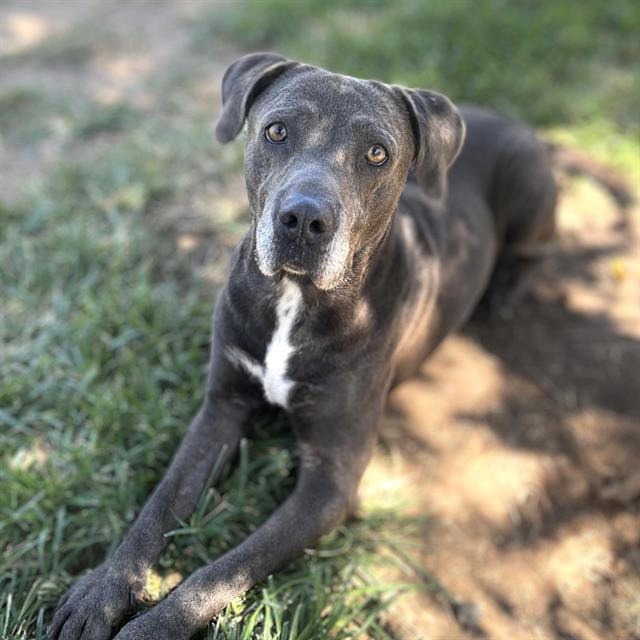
105, 323
31, 116
95, 119
28, 115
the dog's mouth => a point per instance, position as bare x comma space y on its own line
301, 275
294, 269
321, 273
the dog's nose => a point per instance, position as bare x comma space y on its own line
308, 220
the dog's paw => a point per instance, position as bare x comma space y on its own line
164, 622
93, 606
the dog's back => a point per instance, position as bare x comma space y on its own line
511, 167
500, 207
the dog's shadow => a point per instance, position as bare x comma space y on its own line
581, 366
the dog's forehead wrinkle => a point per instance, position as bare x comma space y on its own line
280, 108
327, 92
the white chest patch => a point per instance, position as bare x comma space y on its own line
273, 373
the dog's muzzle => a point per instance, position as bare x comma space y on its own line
302, 234
304, 228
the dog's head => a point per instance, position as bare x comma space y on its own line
327, 157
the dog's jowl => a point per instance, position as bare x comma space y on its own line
377, 225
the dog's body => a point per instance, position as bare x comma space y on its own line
348, 278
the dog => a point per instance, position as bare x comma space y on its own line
377, 227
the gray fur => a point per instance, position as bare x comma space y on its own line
399, 258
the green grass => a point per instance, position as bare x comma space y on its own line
104, 322
30, 116
95, 119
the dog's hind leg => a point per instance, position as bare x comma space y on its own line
511, 280
524, 199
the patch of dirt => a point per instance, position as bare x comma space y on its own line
522, 438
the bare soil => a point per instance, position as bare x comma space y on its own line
522, 438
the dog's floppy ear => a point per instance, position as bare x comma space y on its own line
438, 131
242, 82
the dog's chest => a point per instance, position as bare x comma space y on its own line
272, 373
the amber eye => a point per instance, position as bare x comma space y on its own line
276, 132
377, 155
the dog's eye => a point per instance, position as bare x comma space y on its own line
276, 132
377, 155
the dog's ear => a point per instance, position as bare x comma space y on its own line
241, 84
438, 131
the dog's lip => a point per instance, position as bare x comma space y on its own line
294, 269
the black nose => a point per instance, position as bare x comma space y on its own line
308, 220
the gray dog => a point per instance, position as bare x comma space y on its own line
368, 245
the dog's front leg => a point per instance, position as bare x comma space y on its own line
334, 454
97, 602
